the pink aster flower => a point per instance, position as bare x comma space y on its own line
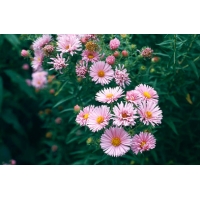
110, 60
133, 96
91, 56
114, 44
41, 41
147, 93
25, 66
37, 60
101, 72
146, 52
58, 63
39, 79
109, 95
81, 69
143, 142
68, 43
121, 76
124, 115
83, 115
150, 113
99, 118
115, 141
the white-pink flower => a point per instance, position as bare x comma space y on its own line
115, 141
109, 95
91, 56
39, 79
147, 93
99, 118
150, 113
37, 60
81, 69
124, 114
133, 96
41, 41
101, 72
121, 76
114, 44
143, 142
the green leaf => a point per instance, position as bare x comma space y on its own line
161, 54
1, 39
173, 100
13, 40
1, 92
191, 63
64, 100
170, 123
66, 110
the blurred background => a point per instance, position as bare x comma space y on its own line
36, 128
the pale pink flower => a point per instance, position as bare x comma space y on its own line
121, 76
59, 63
37, 60
109, 95
124, 114
147, 93
110, 60
143, 142
133, 96
150, 113
91, 56
114, 44
25, 66
68, 43
83, 115
13, 162
101, 72
81, 69
24, 53
41, 41
146, 52
98, 118
115, 141
39, 79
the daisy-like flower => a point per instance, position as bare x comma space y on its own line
109, 95
37, 60
121, 76
91, 56
39, 79
83, 115
81, 69
143, 142
115, 141
147, 93
101, 72
99, 118
58, 63
41, 41
133, 96
124, 115
150, 113
68, 43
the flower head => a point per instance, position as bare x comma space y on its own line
146, 52
101, 72
133, 96
81, 69
37, 60
39, 79
143, 142
91, 56
91, 46
114, 44
41, 41
24, 53
110, 60
115, 141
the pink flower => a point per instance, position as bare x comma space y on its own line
48, 49
41, 41
109, 95
77, 108
39, 79
83, 115
133, 96
147, 93
101, 72
25, 66
115, 141
143, 142
121, 76
91, 56
110, 60
99, 118
68, 43
150, 113
146, 52
58, 63
114, 44
81, 69
37, 60
124, 115
24, 53
13, 162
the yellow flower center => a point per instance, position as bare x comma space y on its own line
101, 73
147, 95
132, 98
149, 114
100, 119
109, 96
85, 116
91, 46
116, 141
39, 59
67, 47
124, 115
90, 56
142, 144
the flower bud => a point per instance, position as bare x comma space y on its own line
110, 60
124, 53
24, 53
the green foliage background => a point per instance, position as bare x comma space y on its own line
26, 115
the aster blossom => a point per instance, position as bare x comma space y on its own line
81, 69
109, 95
37, 60
143, 142
146, 52
101, 72
90, 56
41, 41
115, 141
133, 96
124, 114
150, 113
39, 79
114, 44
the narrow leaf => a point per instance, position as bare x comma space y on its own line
191, 63
170, 123
64, 100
